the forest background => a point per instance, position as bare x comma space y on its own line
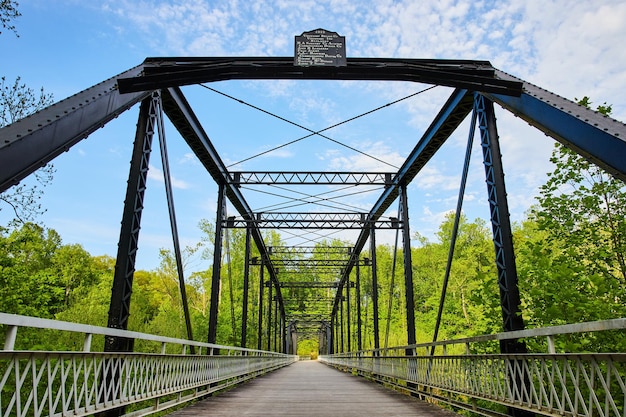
570, 252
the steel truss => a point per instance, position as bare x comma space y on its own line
309, 284
307, 317
169, 72
309, 250
308, 300
119, 308
310, 263
311, 178
284, 220
37, 139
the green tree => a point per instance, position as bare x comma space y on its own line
8, 13
16, 102
28, 282
471, 306
573, 246
75, 268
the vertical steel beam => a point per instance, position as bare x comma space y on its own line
119, 309
261, 290
331, 339
500, 221
502, 238
408, 267
246, 284
374, 285
359, 336
217, 263
455, 227
283, 334
348, 319
122, 288
173, 224
276, 323
325, 342
269, 316
341, 342
337, 337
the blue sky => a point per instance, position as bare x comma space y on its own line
570, 48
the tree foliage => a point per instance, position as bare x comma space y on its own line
573, 244
18, 101
8, 13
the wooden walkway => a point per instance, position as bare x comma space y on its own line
309, 388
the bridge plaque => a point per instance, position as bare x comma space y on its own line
320, 47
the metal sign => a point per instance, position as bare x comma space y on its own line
320, 48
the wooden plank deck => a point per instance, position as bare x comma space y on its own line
310, 388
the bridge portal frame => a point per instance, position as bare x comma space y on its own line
32, 142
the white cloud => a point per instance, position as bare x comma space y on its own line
156, 174
346, 160
189, 158
433, 178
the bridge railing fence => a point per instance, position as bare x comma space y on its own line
83, 381
550, 383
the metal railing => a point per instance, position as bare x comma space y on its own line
551, 384
55, 383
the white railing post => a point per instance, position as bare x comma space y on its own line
551, 346
10, 337
87, 343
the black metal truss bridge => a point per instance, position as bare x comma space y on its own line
155, 85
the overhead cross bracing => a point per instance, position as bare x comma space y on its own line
38, 139
312, 178
308, 250
320, 221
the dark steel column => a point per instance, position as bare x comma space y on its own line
217, 263
374, 285
269, 316
283, 334
500, 221
331, 340
502, 237
408, 267
121, 291
276, 324
337, 337
348, 314
341, 325
359, 337
261, 290
246, 284
172, 214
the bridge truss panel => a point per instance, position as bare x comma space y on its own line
36, 140
599, 138
286, 220
32, 142
311, 178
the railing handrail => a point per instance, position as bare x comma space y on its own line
592, 326
88, 329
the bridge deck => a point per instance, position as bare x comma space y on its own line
309, 388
